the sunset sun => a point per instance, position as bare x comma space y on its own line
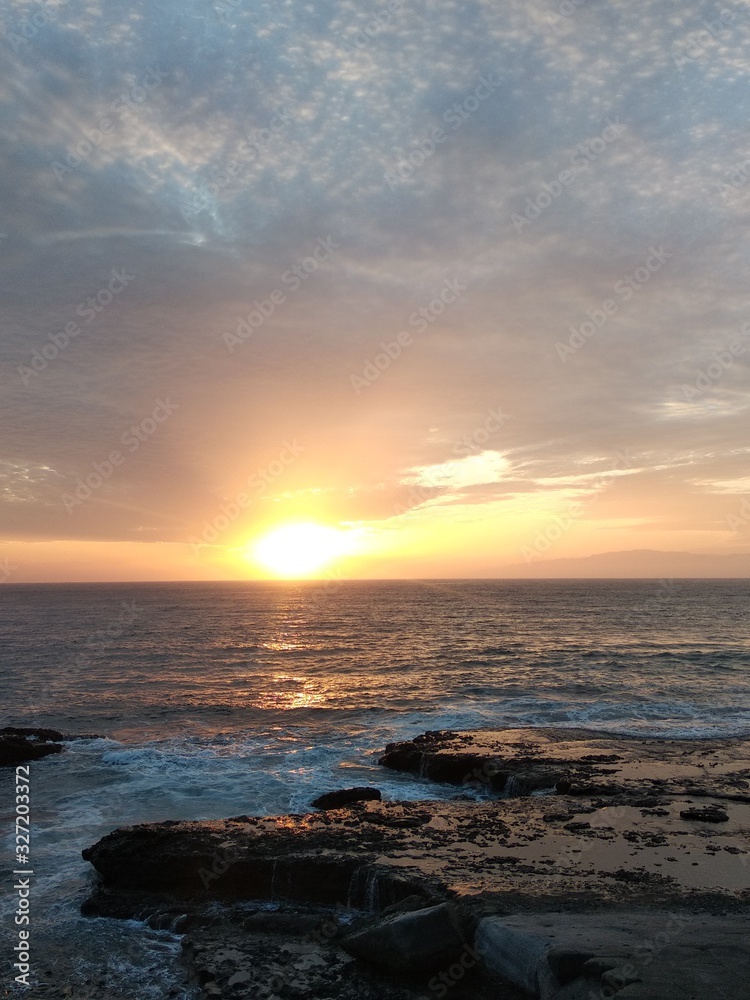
299, 549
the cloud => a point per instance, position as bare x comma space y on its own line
473, 470
207, 148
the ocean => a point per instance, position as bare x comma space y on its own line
212, 700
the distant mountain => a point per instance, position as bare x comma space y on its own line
636, 563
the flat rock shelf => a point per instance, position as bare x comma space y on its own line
591, 865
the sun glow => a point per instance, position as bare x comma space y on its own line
301, 549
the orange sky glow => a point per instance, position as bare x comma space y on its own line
466, 310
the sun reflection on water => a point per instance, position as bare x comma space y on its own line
300, 692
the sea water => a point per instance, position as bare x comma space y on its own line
213, 700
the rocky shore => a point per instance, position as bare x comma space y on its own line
589, 866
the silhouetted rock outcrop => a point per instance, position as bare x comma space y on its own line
20, 745
345, 797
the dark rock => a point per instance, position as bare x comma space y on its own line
578, 989
22, 743
421, 941
345, 796
376, 888
402, 757
453, 768
566, 964
122, 904
599, 964
515, 957
229, 962
279, 922
618, 978
408, 905
192, 863
527, 782
18, 749
456, 767
705, 814
305, 859
576, 762
498, 781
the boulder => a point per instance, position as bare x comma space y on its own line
421, 941
568, 963
516, 956
454, 768
345, 797
190, 860
315, 858
640, 954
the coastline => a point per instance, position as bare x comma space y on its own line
574, 822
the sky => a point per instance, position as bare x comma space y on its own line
461, 286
